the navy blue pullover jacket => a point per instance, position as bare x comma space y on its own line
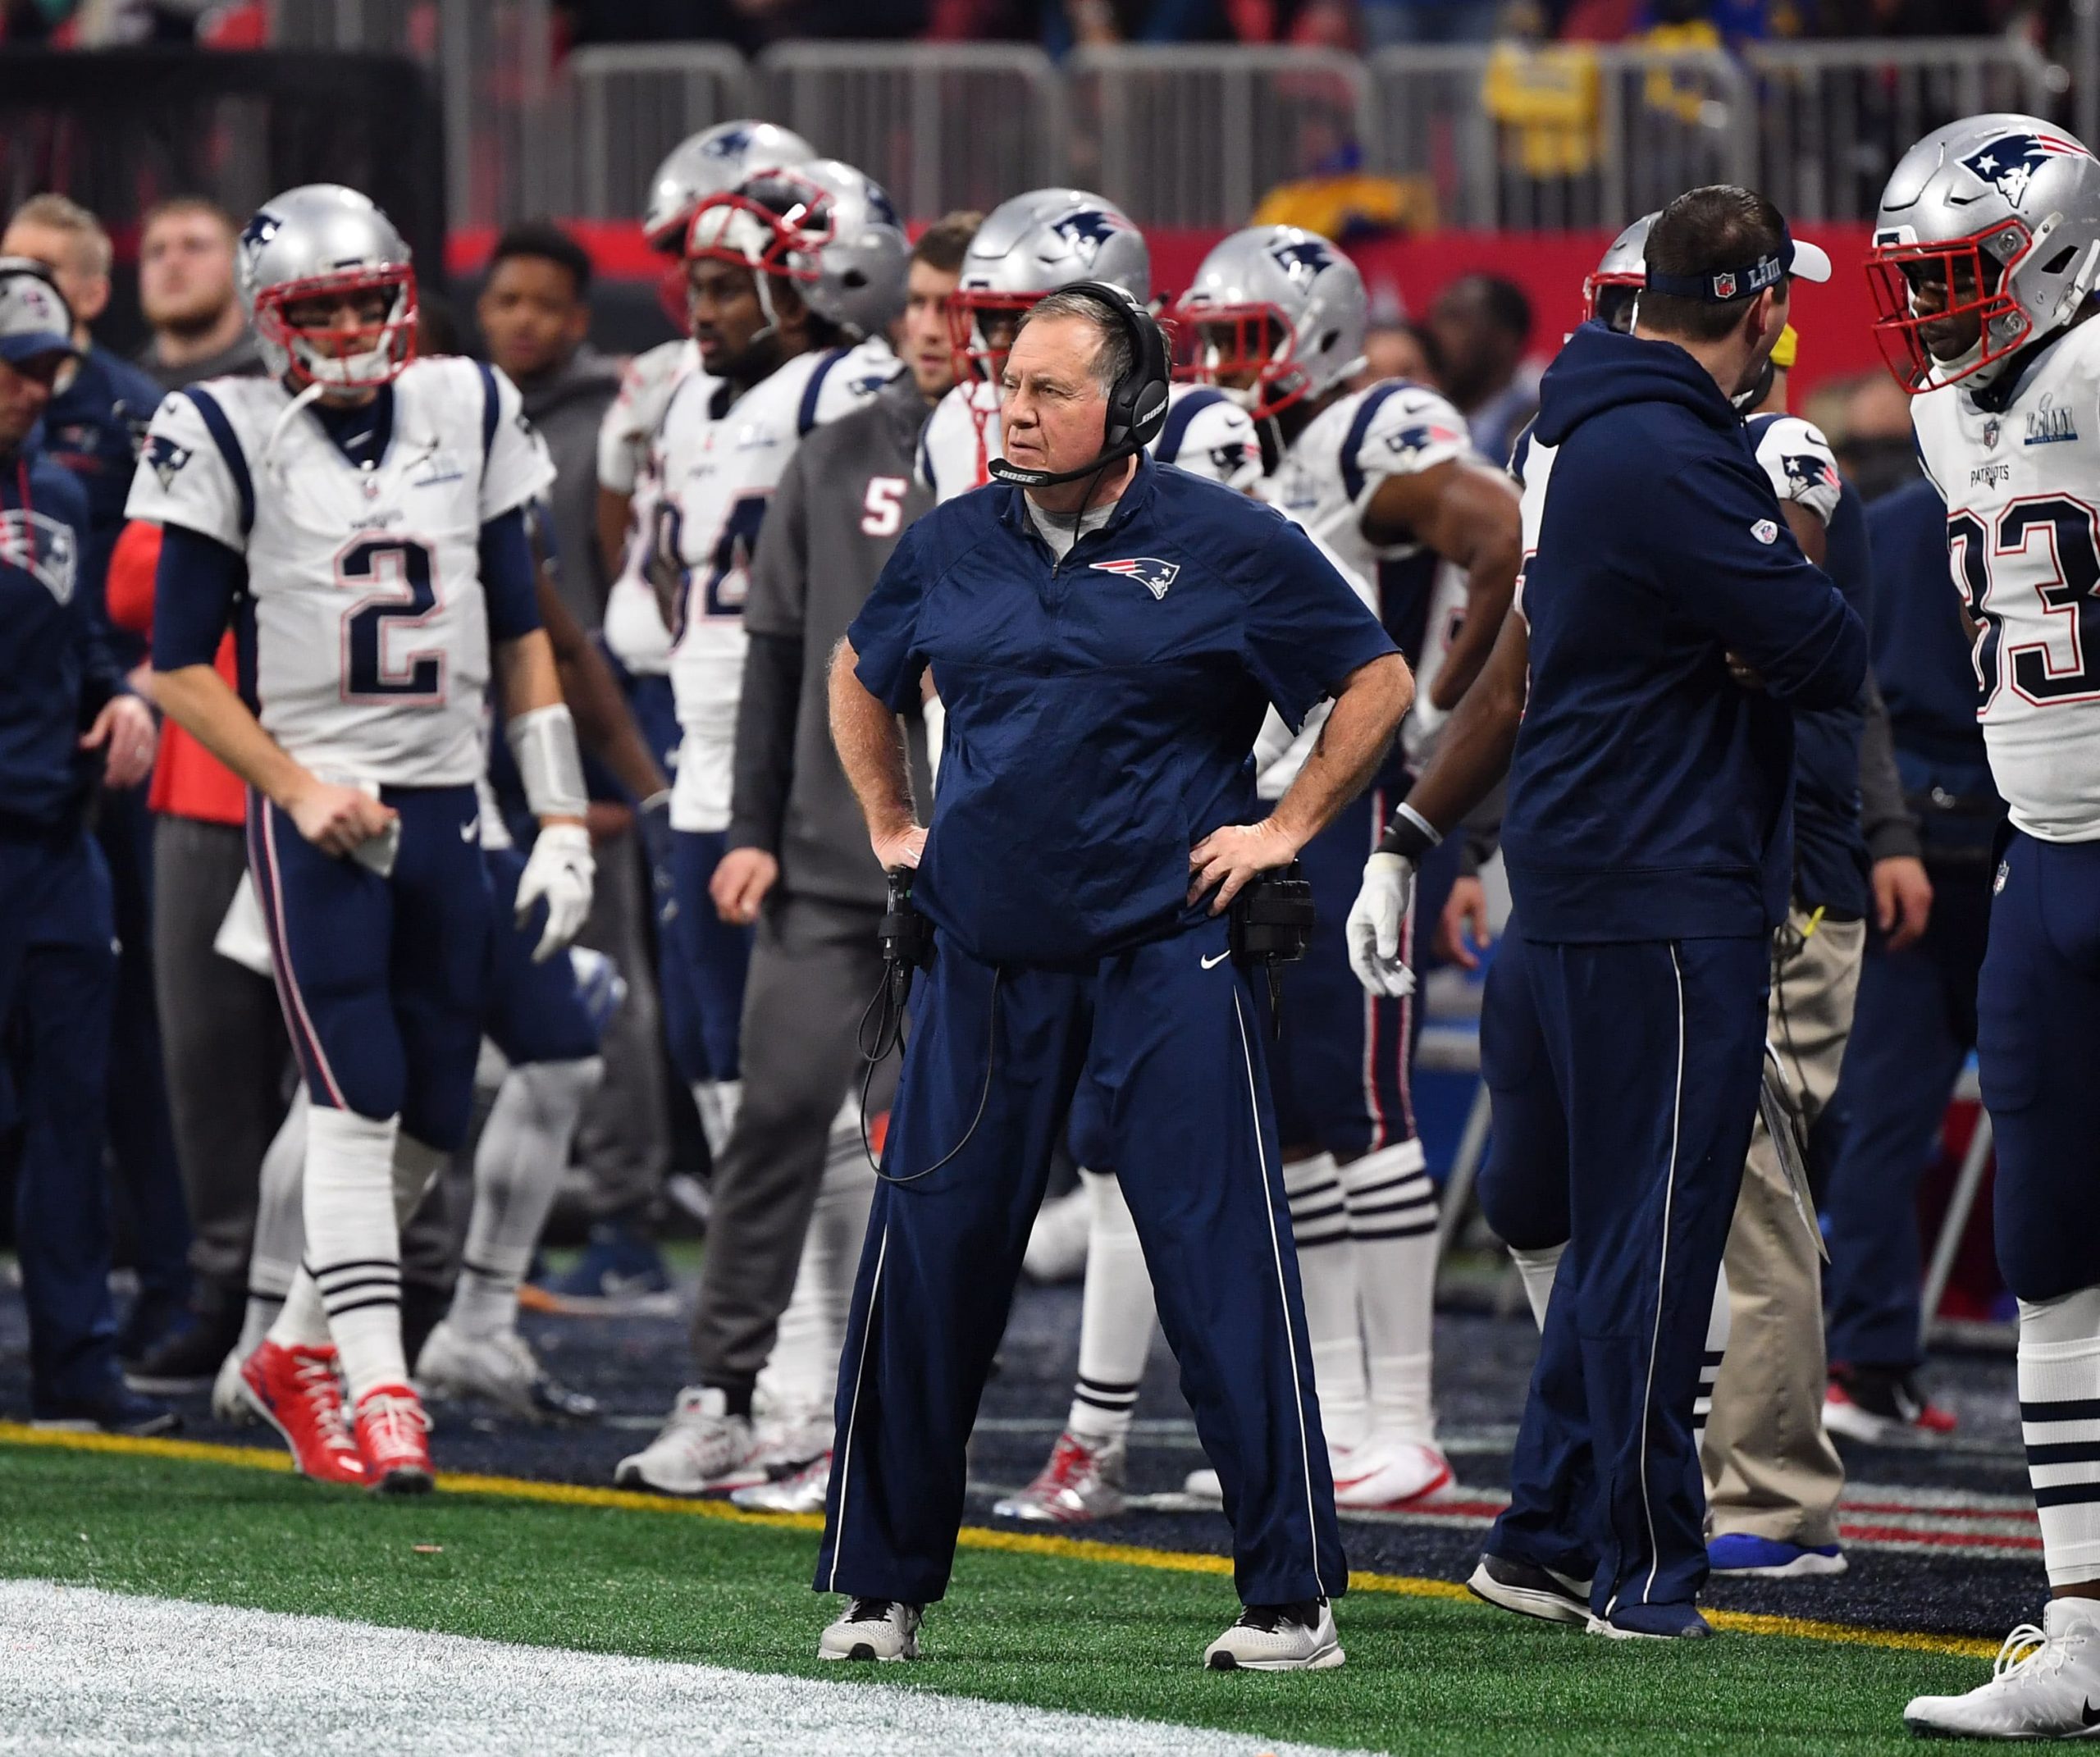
59, 672
1101, 710
93, 427
1650, 795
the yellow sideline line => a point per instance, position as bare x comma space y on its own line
971, 1537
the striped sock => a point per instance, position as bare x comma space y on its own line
1392, 1226
280, 1236
352, 1243
1116, 1316
1326, 1271
2060, 1420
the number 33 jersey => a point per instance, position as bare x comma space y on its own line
370, 650
2022, 488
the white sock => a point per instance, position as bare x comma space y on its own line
1392, 1226
1537, 1269
1116, 1316
416, 1166
718, 1101
354, 1243
1709, 1364
1326, 1270
280, 1240
301, 1322
2059, 1385
802, 1373
518, 1168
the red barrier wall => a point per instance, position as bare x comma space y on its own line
1834, 320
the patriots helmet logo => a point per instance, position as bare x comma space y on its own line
1086, 230
1301, 259
2008, 163
731, 143
259, 230
1809, 471
166, 458
1148, 571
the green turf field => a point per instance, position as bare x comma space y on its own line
1051, 1630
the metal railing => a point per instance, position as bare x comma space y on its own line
1503, 136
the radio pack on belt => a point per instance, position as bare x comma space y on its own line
1271, 925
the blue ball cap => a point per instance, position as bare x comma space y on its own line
33, 317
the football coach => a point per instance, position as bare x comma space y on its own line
1105, 633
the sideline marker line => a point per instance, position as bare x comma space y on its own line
971, 1537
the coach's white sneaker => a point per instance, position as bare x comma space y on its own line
1386, 1474
499, 1369
2045, 1684
702, 1447
884, 1629
802, 1492
1278, 1638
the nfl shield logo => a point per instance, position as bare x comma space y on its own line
1765, 531
1990, 432
1724, 286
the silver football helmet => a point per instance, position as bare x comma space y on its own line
1029, 246
323, 247
1987, 239
704, 164
829, 229
1275, 314
1613, 286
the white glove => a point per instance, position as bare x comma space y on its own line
1374, 931
561, 870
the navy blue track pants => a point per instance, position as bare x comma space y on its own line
1172, 1030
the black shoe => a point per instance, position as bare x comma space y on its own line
188, 1360
150, 1325
1530, 1591
115, 1411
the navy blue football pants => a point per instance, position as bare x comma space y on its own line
1177, 1047
57, 985
2038, 1050
713, 955
1914, 1024
1655, 1049
384, 981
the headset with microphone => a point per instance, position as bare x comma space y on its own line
1137, 401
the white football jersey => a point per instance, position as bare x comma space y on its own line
717, 467
633, 625
2022, 488
372, 648
1326, 478
1799, 463
1206, 433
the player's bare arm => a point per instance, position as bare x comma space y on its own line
1467, 512
1367, 711
871, 751
333, 818
613, 511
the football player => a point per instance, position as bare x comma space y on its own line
1986, 254
359, 516
794, 277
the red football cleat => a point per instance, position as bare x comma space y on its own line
394, 1438
295, 1390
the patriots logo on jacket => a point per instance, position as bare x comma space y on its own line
1148, 571
42, 547
1086, 231
2008, 163
1808, 471
166, 458
1301, 259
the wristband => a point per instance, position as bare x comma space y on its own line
1408, 834
549, 763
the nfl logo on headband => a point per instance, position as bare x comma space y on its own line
1724, 286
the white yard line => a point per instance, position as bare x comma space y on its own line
84, 1673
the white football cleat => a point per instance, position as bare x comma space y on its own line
1383, 1474
702, 1447
1278, 1638
228, 1402
882, 1629
1203, 1485
499, 1369
802, 1492
783, 1443
1083, 1482
2044, 1685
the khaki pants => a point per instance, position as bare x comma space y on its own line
1771, 1471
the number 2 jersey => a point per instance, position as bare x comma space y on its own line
371, 640
716, 463
2022, 488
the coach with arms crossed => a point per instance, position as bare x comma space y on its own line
1107, 633
1674, 623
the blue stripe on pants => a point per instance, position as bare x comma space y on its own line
1655, 1048
1186, 1099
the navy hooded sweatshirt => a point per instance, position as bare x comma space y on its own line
1650, 795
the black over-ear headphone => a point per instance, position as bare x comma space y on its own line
1137, 401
